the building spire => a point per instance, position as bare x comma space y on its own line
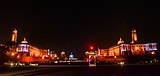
134, 36
14, 36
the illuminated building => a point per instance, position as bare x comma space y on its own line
12, 45
14, 36
25, 52
71, 57
30, 53
133, 48
62, 54
87, 54
23, 47
92, 58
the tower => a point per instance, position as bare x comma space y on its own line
134, 36
14, 36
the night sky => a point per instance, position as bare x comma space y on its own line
74, 26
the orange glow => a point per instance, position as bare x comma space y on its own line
42, 57
134, 35
55, 55
32, 59
105, 54
87, 60
115, 56
62, 52
14, 36
136, 48
86, 52
18, 56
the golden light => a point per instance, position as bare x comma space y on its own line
153, 53
57, 57
86, 52
136, 48
62, 53
135, 37
11, 64
115, 56
42, 57
12, 54
121, 63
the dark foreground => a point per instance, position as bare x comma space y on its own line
83, 70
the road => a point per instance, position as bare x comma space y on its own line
84, 70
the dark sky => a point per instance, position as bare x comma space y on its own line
73, 26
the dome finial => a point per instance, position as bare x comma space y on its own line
24, 40
120, 41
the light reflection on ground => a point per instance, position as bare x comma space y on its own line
84, 70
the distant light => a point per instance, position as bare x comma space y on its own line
91, 48
33, 64
12, 64
71, 56
63, 52
115, 56
121, 63
12, 54
18, 56
105, 54
153, 53
55, 55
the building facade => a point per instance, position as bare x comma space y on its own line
132, 48
24, 47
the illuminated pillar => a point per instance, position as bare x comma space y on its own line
14, 36
134, 36
99, 51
